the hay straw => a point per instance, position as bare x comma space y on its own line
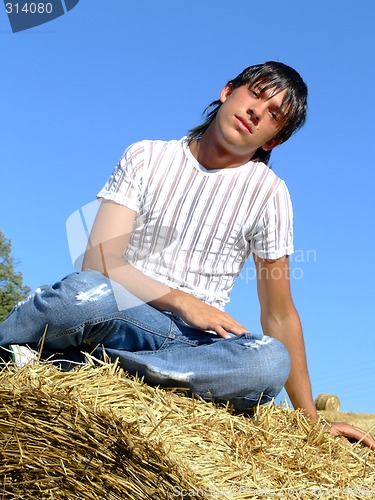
327, 402
96, 434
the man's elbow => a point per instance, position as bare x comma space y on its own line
93, 260
277, 320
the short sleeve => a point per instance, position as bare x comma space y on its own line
273, 237
125, 185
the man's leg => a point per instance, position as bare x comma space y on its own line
245, 370
82, 311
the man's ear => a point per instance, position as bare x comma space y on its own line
226, 92
271, 144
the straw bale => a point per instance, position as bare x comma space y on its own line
97, 434
327, 402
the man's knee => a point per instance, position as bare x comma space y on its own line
280, 367
266, 365
56, 305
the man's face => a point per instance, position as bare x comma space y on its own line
248, 119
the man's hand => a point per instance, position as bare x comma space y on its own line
349, 432
202, 316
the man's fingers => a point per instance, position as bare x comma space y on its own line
362, 438
234, 327
226, 328
360, 435
223, 333
349, 433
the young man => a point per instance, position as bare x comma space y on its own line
176, 223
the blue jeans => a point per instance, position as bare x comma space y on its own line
83, 315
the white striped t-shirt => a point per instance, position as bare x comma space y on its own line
195, 227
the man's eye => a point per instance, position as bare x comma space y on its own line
254, 93
274, 115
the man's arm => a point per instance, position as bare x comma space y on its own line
279, 319
108, 240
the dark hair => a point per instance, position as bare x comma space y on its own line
273, 76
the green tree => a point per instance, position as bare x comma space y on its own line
11, 288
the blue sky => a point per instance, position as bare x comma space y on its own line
81, 88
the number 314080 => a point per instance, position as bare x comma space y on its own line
29, 8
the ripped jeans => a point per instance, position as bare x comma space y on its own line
83, 315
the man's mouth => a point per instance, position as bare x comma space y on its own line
245, 124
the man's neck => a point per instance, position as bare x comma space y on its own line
212, 156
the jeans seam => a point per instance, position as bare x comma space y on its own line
153, 353
169, 335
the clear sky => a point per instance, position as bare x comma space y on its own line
78, 90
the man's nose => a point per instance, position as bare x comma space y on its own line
255, 113
254, 116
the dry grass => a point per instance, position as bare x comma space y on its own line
365, 421
96, 434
